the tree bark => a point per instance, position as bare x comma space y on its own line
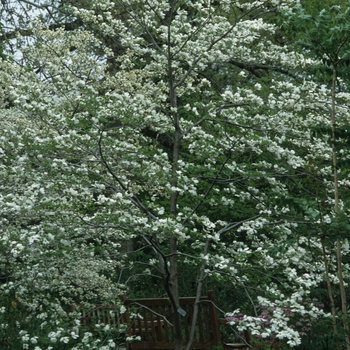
330, 294
173, 273
198, 296
336, 210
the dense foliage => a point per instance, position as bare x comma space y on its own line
179, 144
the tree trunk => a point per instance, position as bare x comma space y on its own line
173, 289
198, 296
336, 210
330, 295
173, 269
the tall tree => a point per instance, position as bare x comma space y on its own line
327, 35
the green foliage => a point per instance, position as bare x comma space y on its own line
326, 34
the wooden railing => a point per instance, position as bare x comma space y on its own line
155, 329
149, 321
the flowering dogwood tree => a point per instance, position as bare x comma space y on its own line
180, 125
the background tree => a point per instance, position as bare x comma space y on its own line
326, 35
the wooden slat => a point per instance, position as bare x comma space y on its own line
190, 311
207, 321
159, 324
167, 326
139, 327
200, 325
187, 324
143, 325
214, 316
